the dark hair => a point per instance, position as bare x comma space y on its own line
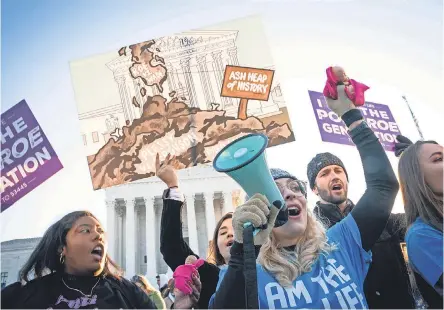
419, 199
147, 287
215, 255
46, 256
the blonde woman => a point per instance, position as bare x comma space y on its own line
301, 264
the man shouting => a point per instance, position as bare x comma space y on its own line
387, 282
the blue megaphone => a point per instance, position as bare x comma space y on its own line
244, 161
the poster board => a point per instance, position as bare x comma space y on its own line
165, 96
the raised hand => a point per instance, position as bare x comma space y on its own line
342, 104
183, 301
257, 212
165, 170
401, 144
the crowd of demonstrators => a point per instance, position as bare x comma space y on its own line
71, 268
387, 284
340, 255
421, 177
321, 268
173, 246
153, 294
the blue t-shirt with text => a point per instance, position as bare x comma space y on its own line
425, 250
335, 281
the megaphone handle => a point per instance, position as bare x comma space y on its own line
248, 224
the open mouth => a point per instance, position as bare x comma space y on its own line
98, 251
337, 187
294, 211
229, 243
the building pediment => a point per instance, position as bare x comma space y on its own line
189, 39
19, 244
184, 41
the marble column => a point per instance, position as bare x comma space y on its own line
120, 212
130, 248
150, 238
232, 52
205, 80
130, 91
171, 77
209, 214
228, 203
185, 64
191, 220
139, 98
219, 71
111, 227
126, 102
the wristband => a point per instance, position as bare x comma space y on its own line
352, 116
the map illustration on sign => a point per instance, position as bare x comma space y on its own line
187, 95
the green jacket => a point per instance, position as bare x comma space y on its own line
157, 299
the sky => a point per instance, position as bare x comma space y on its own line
395, 46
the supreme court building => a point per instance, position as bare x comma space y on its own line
134, 212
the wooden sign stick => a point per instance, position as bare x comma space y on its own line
242, 111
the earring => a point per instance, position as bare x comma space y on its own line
62, 258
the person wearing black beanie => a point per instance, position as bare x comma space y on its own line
387, 283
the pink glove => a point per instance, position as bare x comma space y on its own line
182, 275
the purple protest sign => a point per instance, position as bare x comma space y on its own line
332, 128
27, 157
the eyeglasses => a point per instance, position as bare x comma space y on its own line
297, 187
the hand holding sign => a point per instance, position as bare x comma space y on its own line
342, 104
165, 171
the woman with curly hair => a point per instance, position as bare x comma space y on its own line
71, 268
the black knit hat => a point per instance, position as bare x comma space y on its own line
280, 174
277, 173
319, 162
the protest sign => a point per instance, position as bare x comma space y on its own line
246, 83
27, 157
183, 94
378, 117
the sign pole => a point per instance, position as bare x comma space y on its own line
242, 111
414, 117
